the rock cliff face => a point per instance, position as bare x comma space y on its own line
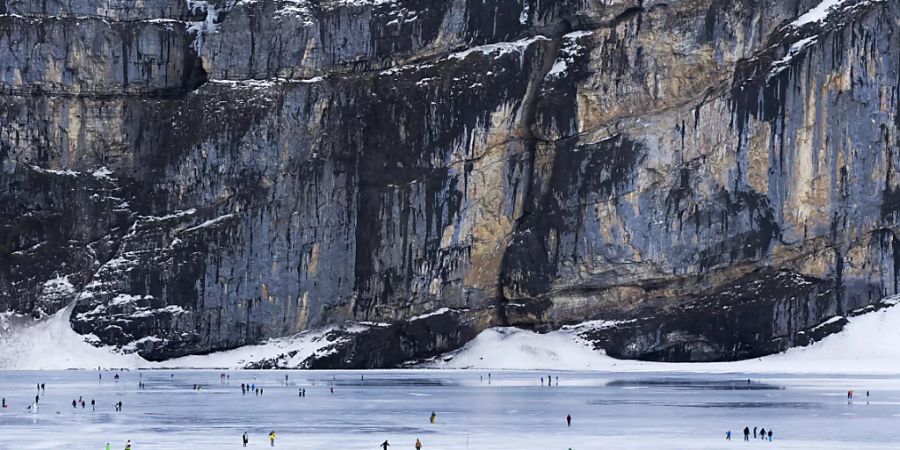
714, 179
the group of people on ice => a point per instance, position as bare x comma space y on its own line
761, 432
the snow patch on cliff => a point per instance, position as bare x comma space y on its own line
798, 47
500, 48
821, 11
570, 50
57, 287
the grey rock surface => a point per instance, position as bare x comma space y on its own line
717, 177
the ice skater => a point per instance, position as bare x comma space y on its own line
728, 435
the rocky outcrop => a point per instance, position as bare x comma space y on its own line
201, 175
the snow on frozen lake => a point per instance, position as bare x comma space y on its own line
610, 411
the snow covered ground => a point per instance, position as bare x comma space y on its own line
509, 410
868, 344
52, 344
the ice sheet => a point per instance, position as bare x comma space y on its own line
513, 411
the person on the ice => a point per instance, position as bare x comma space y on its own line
93, 405
762, 433
770, 435
108, 447
385, 445
127, 444
4, 402
754, 432
418, 444
542, 381
33, 408
747, 433
272, 438
37, 398
569, 420
74, 403
245, 439
43, 387
433, 417
728, 435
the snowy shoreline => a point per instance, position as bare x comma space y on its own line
866, 346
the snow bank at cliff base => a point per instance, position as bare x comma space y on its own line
870, 343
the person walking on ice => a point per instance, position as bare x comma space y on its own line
108, 447
770, 435
747, 434
418, 444
272, 438
728, 435
245, 439
384, 445
569, 420
433, 417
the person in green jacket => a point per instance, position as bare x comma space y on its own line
108, 447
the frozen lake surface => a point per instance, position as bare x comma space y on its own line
513, 411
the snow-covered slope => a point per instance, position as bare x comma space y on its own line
51, 344
868, 344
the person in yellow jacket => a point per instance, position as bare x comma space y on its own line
418, 444
433, 417
272, 437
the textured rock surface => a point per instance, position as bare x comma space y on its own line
200, 175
